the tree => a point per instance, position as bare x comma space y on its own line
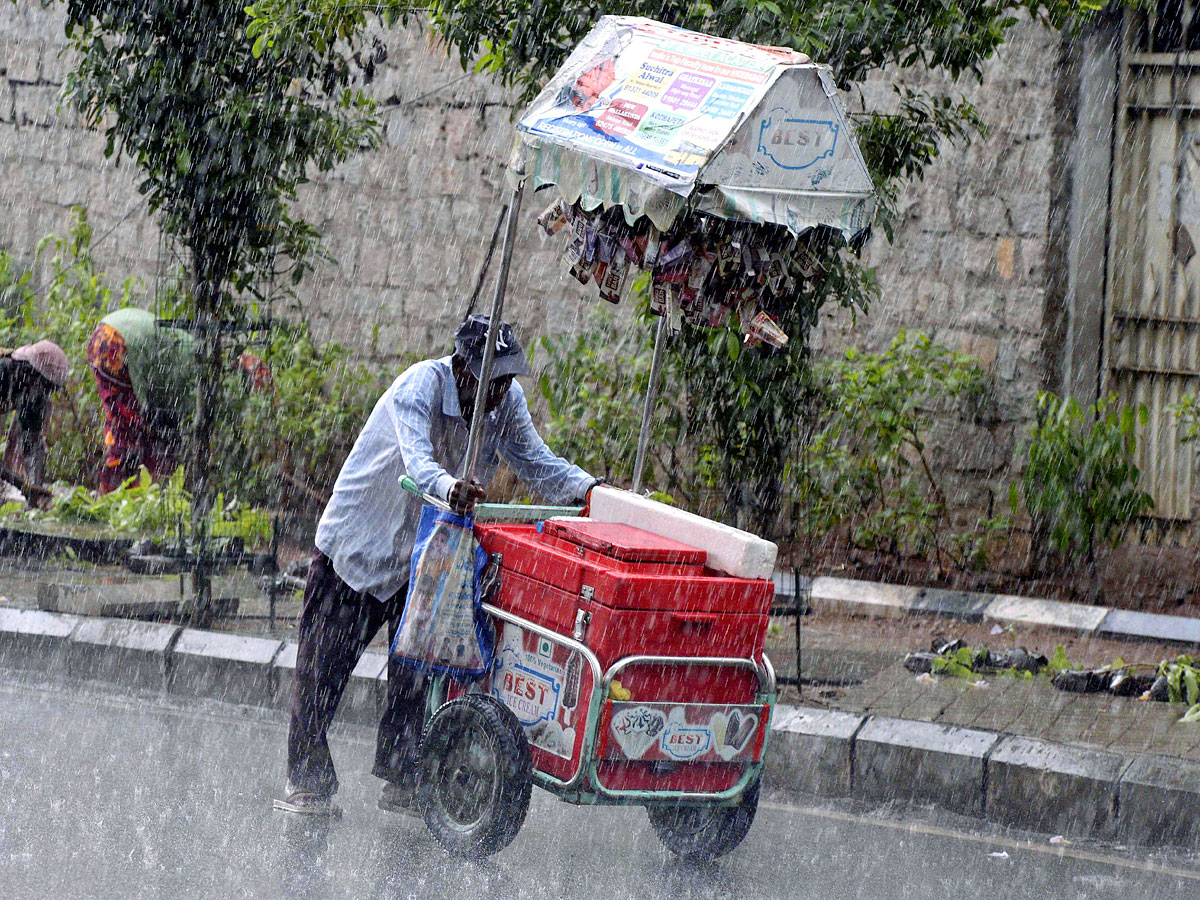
223, 135
748, 408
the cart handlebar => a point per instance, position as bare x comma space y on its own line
407, 483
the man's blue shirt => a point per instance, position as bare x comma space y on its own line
417, 428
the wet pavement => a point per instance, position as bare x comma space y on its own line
118, 795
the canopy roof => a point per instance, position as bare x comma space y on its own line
646, 116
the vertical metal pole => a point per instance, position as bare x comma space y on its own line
273, 592
801, 607
501, 217
489, 351
656, 364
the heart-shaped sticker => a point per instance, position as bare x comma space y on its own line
737, 731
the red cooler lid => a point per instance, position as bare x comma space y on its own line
623, 542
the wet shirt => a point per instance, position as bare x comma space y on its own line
417, 428
31, 405
160, 361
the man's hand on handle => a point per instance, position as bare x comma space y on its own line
464, 495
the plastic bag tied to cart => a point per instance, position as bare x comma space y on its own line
443, 629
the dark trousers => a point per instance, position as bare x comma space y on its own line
336, 625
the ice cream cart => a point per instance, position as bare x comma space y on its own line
629, 665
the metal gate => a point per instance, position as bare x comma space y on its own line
1152, 350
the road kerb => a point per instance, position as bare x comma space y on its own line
883, 600
1053, 787
231, 667
809, 753
120, 651
1157, 799
35, 640
870, 597
921, 762
1011, 609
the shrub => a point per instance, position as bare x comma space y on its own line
291, 444
1080, 486
868, 468
858, 460
296, 436
153, 509
594, 384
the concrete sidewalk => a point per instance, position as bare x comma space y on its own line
856, 645
1009, 750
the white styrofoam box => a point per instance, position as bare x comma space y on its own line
729, 550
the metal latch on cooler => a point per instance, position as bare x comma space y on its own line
583, 619
489, 580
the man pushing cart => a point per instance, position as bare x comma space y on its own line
628, 663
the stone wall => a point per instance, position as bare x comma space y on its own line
409, 223
968, 262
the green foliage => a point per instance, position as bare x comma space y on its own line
1187, 411
1058, 661
156, 509
749, 407
293, 442
301, 432
730, 414
961, 663
972, 662
594, 382
1183, 684
855, 430
869, 468
65, 309
222, 135
1080, 486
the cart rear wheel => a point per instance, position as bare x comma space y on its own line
476, 776
701, 833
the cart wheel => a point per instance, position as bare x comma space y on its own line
701, 833
476, 776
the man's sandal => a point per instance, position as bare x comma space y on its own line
309, 804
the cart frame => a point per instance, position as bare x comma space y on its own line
584, 787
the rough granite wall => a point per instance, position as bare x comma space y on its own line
410, 222
967, 265
407, 224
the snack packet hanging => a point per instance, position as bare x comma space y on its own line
612, 286
553, 219
443, 628
764, 329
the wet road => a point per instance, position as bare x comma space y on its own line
105, 796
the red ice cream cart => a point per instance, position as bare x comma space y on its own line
627, 670
629, 665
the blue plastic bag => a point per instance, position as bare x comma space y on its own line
443, 629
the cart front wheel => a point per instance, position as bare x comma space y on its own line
476, 776
701, 833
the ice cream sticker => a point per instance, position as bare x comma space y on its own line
539, 681
637, 729
682, 732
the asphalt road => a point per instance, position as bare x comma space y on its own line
105, 796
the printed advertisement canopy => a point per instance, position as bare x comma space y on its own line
650, 117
